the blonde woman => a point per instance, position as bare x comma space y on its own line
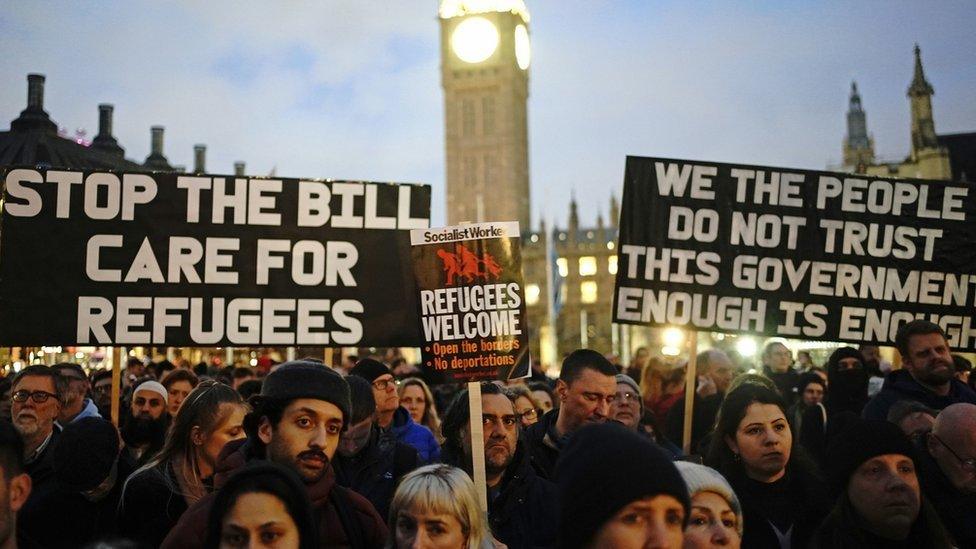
437, 506
416, 397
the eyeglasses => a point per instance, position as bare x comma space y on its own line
967, 464
40, 397
383, 384
626, 397
531, 414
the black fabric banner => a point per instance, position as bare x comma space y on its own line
471, 302
794, 253
103, 258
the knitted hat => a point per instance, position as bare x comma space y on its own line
85, 453
862, 440
806, 379
700, 478
153, 386
603, 468
307, 379
624, 378
369, 369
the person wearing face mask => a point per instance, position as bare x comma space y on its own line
782, 496
847, 382
618, 489
716, 516
872, 473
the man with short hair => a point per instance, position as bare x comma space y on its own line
947, 467
297, 421
365, 462
872, 471
391, 418
102, 392
522, 506
587, 385
777, 362
77, 405
15, 487
144, 429
928, 375
913, 418
715, 372
37, 395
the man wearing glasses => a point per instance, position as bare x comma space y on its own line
522, 506
586, 387
947, 467
76, 405
391, 418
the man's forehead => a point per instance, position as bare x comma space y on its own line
595, 380
320, 408
148, 395
927, 340
497, 405
36, 382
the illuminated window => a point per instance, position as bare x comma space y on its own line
563, 266
532, 294
587, 266
588, 291
612, 264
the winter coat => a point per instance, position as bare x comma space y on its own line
524, 512
842, 530
900, 385
329, 503
151, 505
785, 382
408, 432
543, 444
702, 418
33, 517
956, 509
376, 470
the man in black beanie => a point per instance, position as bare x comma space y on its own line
608, 476
391, 418
89, 470
871, 470
297, 420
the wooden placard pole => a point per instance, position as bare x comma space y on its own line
328, 356
116, 383
477, 443
691, 383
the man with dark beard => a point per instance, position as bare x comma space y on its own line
928, 375
303, 408
144, 430
522, 506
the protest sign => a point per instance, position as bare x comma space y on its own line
103, 258
794, 253
471, 302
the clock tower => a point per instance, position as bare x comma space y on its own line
485, 56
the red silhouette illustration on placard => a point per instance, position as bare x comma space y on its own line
465, 264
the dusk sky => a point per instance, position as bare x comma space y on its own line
352, 90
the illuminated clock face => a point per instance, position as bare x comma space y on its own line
474, 39
523, 54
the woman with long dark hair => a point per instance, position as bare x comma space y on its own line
782, 495
262, 505
157, 494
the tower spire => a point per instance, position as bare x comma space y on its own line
919, 85
858, 146
920, 94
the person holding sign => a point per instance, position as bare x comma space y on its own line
587, 386
928, 375
754, 448
521, 505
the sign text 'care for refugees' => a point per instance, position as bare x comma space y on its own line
133, 258
796, 253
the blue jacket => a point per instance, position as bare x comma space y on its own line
89, 410
418, 436
900, 385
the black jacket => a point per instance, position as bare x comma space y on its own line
33, 520
900, 385
376, 470
842, 530
702, 419
785, 382
955, 508
523, 512
543, 444
151, 505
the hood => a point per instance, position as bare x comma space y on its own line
401, 421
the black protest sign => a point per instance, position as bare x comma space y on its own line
102, 258
794, 253
471, 302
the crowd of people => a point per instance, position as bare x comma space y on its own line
787, 455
